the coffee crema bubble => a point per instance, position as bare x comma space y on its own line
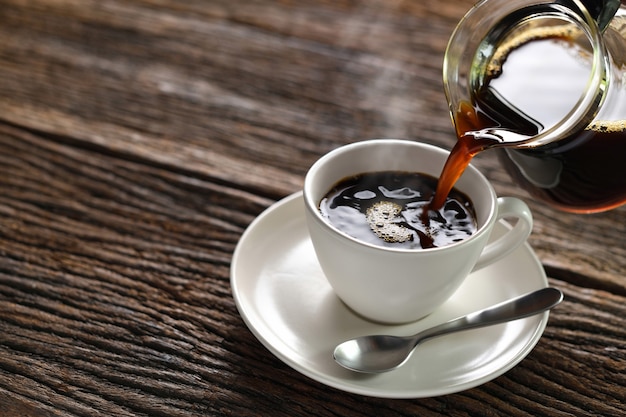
392, 209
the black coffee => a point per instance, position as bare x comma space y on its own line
391, 208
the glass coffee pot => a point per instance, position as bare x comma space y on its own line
545, 82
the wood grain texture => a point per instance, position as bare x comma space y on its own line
138, 140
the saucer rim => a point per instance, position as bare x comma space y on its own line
348, 385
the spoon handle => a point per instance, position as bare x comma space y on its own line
516, 308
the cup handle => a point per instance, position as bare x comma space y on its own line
508, 207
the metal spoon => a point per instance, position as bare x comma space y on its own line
381, 353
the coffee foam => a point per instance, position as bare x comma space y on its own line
494, 68
611, 126
382, 218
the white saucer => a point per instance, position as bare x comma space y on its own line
285, 300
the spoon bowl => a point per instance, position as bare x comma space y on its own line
382, 353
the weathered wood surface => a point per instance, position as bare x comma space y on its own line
138, 139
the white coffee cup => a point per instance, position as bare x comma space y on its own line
392, 285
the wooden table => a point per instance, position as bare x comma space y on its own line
139, 139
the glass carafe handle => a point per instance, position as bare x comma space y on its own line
602, 11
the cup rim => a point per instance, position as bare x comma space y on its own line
312, 205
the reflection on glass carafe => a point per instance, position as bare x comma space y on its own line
544, 82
